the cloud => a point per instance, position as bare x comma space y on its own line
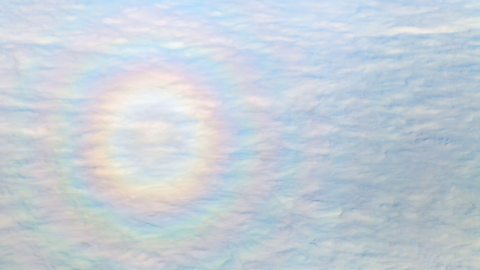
238, 135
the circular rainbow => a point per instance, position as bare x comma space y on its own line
116, 196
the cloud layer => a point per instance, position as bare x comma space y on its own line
239, 135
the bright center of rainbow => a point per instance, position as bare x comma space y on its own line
156, 139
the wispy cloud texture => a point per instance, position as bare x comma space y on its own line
239, 135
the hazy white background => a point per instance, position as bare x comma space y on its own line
330, 134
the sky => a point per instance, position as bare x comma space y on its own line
250, 135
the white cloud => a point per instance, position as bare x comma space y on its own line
299, 135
